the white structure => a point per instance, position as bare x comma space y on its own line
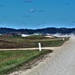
63, 39
24, 35
39, 44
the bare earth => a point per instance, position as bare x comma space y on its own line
60, 62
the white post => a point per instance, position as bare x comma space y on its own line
63, 39
39, 44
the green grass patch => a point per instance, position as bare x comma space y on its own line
9, 60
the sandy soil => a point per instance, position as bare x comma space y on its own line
61, 62
29, 48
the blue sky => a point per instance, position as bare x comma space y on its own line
35, 14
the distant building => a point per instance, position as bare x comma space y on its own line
24, 35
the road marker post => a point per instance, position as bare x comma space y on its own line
63, 39
39, 44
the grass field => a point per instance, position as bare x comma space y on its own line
9, 60
29, 42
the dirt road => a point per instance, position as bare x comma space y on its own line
51, 48
60, 62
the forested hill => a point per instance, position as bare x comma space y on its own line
50, 30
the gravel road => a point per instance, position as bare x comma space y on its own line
60, 62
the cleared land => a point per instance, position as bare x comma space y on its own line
29, 42
61, 62
10, 60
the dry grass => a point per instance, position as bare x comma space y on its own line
29, 42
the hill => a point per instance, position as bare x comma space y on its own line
50, 30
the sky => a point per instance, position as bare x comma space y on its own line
33, 14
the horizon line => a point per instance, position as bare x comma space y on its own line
38, 28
